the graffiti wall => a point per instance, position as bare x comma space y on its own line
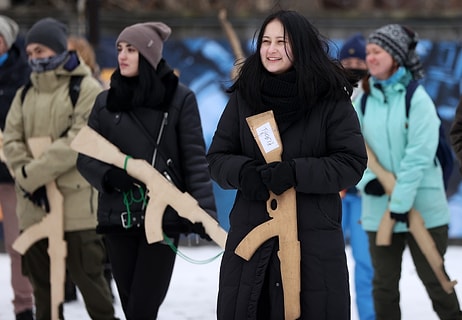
205, 65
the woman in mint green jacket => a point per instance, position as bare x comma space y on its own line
406, 147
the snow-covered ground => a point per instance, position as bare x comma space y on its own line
193, 290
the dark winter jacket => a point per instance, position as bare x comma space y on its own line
329, 154
13, 74
181, 146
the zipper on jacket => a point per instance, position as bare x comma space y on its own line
159, 137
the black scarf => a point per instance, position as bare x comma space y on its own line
280, 94
126, 93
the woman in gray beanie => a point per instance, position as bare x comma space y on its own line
404, 143
148, 114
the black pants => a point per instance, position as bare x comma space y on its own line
84, 261
142, 273
387, 262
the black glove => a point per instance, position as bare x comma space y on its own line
374, 188
39, 198
401, 217
199, 229
278, 176
251, 183
119, 180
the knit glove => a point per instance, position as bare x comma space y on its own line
118, 180
401, 217
251, 183
278, 176
374, 188
38, 198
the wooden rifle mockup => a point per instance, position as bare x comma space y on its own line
91, 143
51, 227
416, 226
233, 41
283, 211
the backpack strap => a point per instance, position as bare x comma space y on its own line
24, 90
363, 103
74, 89
411, 87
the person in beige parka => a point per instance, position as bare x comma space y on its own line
45, 109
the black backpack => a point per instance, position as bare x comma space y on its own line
74, 89
444, 151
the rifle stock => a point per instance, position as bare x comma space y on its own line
92, 144
51, 227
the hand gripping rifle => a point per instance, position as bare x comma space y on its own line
416, 226
91, 143
283, 224
51, 227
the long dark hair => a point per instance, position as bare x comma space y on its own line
318, 76
149, 84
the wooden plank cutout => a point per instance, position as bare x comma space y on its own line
51, 227
283, 211
92, 144
427, 246
416, 227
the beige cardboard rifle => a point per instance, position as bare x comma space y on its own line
91, 143
416, 226
51, 227
283, 211
233, 40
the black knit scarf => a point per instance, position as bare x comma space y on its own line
125, 93
280, 94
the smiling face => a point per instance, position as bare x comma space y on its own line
128, 58
275, 50
380, 63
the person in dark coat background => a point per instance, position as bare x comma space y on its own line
148, 114
291, 73
14, 72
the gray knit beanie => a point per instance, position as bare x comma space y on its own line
9, 30
148, 38
48, 32
400, 42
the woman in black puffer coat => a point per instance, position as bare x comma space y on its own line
323, 152
144, 107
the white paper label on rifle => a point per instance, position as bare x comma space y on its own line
266, 136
